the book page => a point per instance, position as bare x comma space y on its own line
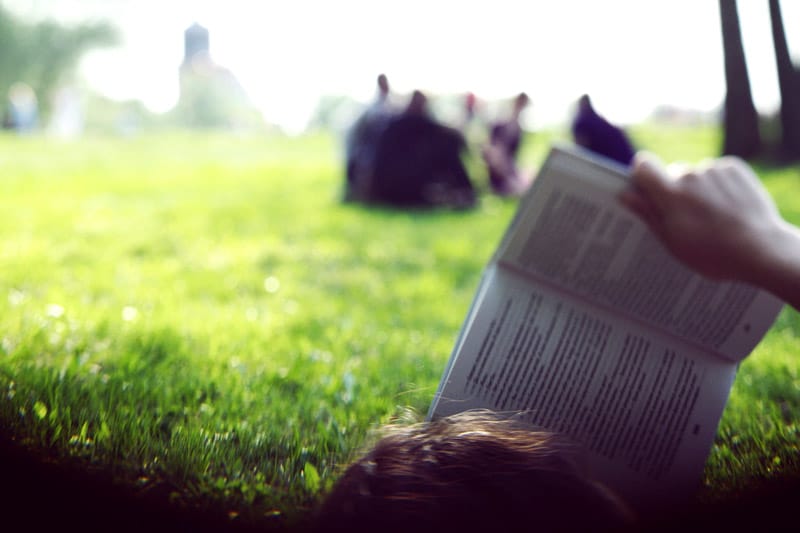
644, 405
574, 234
483, 286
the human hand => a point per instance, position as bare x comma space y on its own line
718, 220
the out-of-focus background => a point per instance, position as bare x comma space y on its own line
307, 63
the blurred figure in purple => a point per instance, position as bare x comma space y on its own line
500, 153
418, 161
593, 132
361, 142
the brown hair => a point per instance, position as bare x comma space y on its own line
469, 472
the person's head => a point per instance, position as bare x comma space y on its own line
21, 94
418, 104
520, 103
470, 101
383, 86
474, 471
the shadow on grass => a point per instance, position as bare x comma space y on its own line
42, 495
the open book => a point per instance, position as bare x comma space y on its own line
590, 328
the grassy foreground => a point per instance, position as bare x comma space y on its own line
199, 317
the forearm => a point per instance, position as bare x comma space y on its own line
777, 268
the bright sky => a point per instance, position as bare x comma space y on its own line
629, 55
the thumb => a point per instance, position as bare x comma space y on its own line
651, 180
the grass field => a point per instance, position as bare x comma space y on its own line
200, 317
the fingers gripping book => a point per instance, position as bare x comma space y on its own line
584, 324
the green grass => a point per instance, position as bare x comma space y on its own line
201, 317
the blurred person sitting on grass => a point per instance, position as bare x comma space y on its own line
479, 471
500, 153
593, 132
361, 141
418, 161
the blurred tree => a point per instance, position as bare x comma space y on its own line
789, 80
43, 54
741, 135
107, 116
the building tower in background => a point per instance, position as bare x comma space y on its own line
195, 41
210, 95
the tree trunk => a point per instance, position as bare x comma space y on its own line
741, 135
789, 80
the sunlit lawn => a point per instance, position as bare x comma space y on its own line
201, 316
